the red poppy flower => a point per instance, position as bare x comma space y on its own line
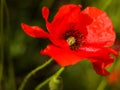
77, 35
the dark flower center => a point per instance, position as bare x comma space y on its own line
74, 38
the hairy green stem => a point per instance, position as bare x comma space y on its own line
33, 72
47, 80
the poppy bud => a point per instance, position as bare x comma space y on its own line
56, 83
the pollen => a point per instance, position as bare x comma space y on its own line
71, 40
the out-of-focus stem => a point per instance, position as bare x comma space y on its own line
1, 44
107, 3
10, 80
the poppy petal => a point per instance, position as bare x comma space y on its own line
63, 11
45, 13
75, 21
59, 42
88, 51
66, 14
34, 31
99, 57
101, 29
61, 56
100, 68
99, 64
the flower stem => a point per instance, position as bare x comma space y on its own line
43, 83
102, 85
106, 4
1, 44
33, 72
59, 72
47, 80
9, 78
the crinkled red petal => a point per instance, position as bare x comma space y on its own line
61, 56
100, 63
100, 68
34, 31
100, 31
100, 57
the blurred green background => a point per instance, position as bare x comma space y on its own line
19, 53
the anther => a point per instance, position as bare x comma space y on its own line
71, 40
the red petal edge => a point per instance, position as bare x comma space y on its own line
45, 13
99, 57
34, 31
61, 56
100, 68
101, 29
100, 63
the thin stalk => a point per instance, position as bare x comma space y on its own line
47, 80
33, 72
43, 83
102, 85
10, 80
2, 44
107, 3
57, 74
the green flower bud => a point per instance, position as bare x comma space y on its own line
56, 83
